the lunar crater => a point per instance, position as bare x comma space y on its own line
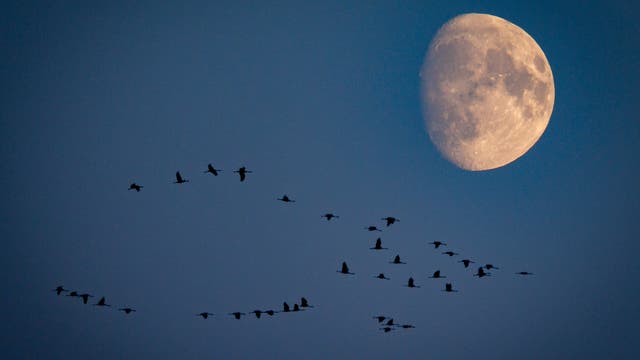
487, 93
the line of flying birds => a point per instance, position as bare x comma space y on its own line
304, 305
387, 326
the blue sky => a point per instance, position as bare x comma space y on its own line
322, 102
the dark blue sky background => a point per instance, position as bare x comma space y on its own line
322, 102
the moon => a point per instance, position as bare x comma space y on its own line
487, 91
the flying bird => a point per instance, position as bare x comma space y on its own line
378, 245
296, 307
73, 294
330, 216
101, 302
450, 253
372, 228
304, 303
380, 318
59, 290
237, 314
396, 260
258, 313
286, 199
490, 266
205, 315
449, 288
437, 244
85, 297
135, 187
481, 273
212, 170
436, 275
285, 307
389, 322
269, 312
466, 262
381, 276
411, 284
179, 179
407, 326
345, 269
387, 329
524, 273
390, 220
243, 173
127, 310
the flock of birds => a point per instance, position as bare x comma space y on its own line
304, 305
387, 324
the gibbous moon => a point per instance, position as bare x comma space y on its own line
487, 91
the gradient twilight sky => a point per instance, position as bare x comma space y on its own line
322, 102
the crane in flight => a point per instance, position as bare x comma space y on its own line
243, 173
205, 315
135, 187
60, 289
179, 179
330, 216
391, 220
286, 199
436, 244
345, 269
378, 245
212, 170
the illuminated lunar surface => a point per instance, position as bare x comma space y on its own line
487, 91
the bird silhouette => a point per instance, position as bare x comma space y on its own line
396, 260
372, 228
85, 297
286, 199
387, 329
436, 275
285, 307
101, 302
389, 322
330, 216
179, 179
205, 315
345, 269
450, 253
135, 187
296, 307
380, 318
466, 262
378, 245
212, 170
437, 244
390, 220
269, 312
127, 310
237, 314
304, 303
243, 173
449, 288
481, 273
258, 313
411, 284
381, 276
73, 294
524, 273
60, 289
490, 266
